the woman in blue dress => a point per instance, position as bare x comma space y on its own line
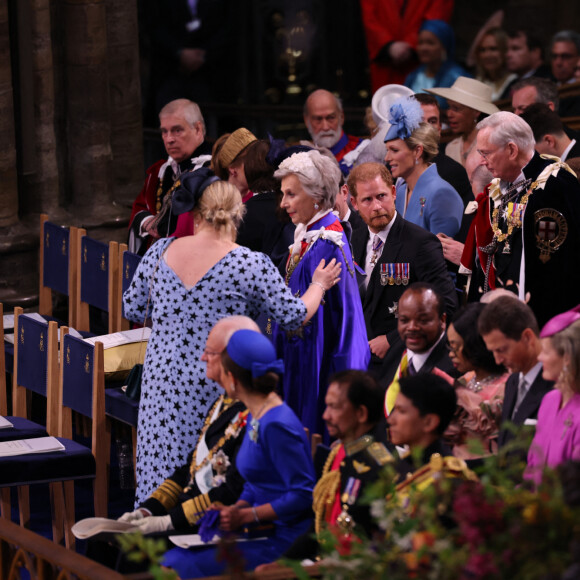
423, 197
335, 339
274, 459
186, 285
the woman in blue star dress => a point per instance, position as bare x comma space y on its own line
276, 492
336, 338
190, 284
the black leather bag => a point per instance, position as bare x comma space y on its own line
133, 390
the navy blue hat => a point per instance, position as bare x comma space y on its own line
252, 351
278, 151
193, 184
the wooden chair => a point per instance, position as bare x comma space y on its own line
128, 262
96, 285
57, 271
82, 388
36, 369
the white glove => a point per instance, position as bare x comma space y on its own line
131, 516
154, 524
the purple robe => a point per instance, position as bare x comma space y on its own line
557, 437
334, 339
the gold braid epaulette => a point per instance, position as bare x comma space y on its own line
195, 507
167, 494
325, 490
448, 467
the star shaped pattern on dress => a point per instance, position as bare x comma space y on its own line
175, 394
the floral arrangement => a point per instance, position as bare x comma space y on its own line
455, 529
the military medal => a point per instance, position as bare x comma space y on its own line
344, 520
398, 279
406, 268
384, 275
391, 274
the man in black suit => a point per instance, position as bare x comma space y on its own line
393, 253
510, 331
345, 212
421, 326
548, 130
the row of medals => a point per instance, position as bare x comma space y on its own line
391, 277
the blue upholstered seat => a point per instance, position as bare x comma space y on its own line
23, 429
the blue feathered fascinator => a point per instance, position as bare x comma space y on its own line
405, 115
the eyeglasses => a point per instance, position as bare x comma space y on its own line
211, 352
455, 348
485, 154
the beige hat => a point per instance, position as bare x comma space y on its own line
234, 145
468, 92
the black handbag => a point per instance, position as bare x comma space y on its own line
133, 390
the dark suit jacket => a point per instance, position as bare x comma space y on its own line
439, 358
406, 243
355, 220
529, 407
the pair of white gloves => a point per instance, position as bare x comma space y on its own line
147, 524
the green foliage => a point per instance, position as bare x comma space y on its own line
492, 527
142, 549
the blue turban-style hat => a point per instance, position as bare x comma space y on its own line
444, 33
254, 352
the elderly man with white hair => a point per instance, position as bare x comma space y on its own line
525, 236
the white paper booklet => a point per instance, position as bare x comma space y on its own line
26, 446
4, 423
119, 338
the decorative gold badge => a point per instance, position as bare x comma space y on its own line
551, 231
360, 467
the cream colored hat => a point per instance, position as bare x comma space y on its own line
470, 93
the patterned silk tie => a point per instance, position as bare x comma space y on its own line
376, 250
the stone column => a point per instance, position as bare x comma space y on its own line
39, 184
8, 175
125, 100
88, 172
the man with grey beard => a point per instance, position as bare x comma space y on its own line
324, 118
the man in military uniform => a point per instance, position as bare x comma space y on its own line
183, 132
525, 236
353, 415
210, 475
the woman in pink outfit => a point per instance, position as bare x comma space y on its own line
557, 436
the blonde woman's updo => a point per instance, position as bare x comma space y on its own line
425, 134
221, 206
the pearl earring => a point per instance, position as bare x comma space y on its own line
316, 206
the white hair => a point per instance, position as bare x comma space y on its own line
509, 128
